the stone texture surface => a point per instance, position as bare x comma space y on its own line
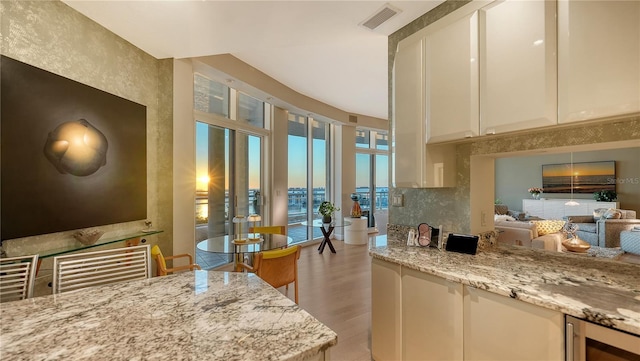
188, 316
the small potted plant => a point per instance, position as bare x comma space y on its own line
327, 209
605, 196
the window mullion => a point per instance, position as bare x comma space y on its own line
310, 169
233, 104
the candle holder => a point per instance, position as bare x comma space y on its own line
253, 235
239, 235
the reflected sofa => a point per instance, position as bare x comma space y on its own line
602, 231
526, 234
503, 209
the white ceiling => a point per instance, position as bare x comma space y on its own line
315, 47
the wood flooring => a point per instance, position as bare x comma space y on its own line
335, 288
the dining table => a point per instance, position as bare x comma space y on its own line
247, 246
195, 315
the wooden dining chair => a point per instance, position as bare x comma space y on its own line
88, 269
161, 262
277, 267
17, 276
268, 230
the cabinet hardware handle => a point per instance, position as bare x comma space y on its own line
568, 340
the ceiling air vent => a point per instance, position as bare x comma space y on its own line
353, 119
382, 15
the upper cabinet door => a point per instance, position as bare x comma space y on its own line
517, 66
408, 114
598, 59
451, 65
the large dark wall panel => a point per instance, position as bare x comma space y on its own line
46, 185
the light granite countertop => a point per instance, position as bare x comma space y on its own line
603, 291
188, 316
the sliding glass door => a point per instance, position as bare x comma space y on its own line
229, 182
372, 179
213, 179
308, 144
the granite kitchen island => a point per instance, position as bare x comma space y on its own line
546, 284
188, 316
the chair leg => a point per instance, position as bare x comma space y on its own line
296, 287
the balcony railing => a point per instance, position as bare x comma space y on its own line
297, 204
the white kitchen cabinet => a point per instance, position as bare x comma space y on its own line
518, 72
386, 332
598, 59
451, 70
419, 316
432, 330
409, 156
500, 328
415, 165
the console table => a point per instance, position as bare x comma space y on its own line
130, 239
556, 208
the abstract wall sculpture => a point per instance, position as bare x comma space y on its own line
76, 147
72, 156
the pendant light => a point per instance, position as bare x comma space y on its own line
572, 202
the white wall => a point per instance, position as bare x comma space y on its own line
184, 167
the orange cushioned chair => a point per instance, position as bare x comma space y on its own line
268, 230
277, 267
162, 264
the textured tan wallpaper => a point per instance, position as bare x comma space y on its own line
52, 36
451, 206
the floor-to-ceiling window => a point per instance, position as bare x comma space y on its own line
229, 131
372, 175
308, 144
320, 171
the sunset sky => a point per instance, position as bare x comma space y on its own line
582, 169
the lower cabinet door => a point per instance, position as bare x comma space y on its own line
385, 311
501, 328
431, 317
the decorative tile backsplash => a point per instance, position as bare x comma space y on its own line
397, 233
